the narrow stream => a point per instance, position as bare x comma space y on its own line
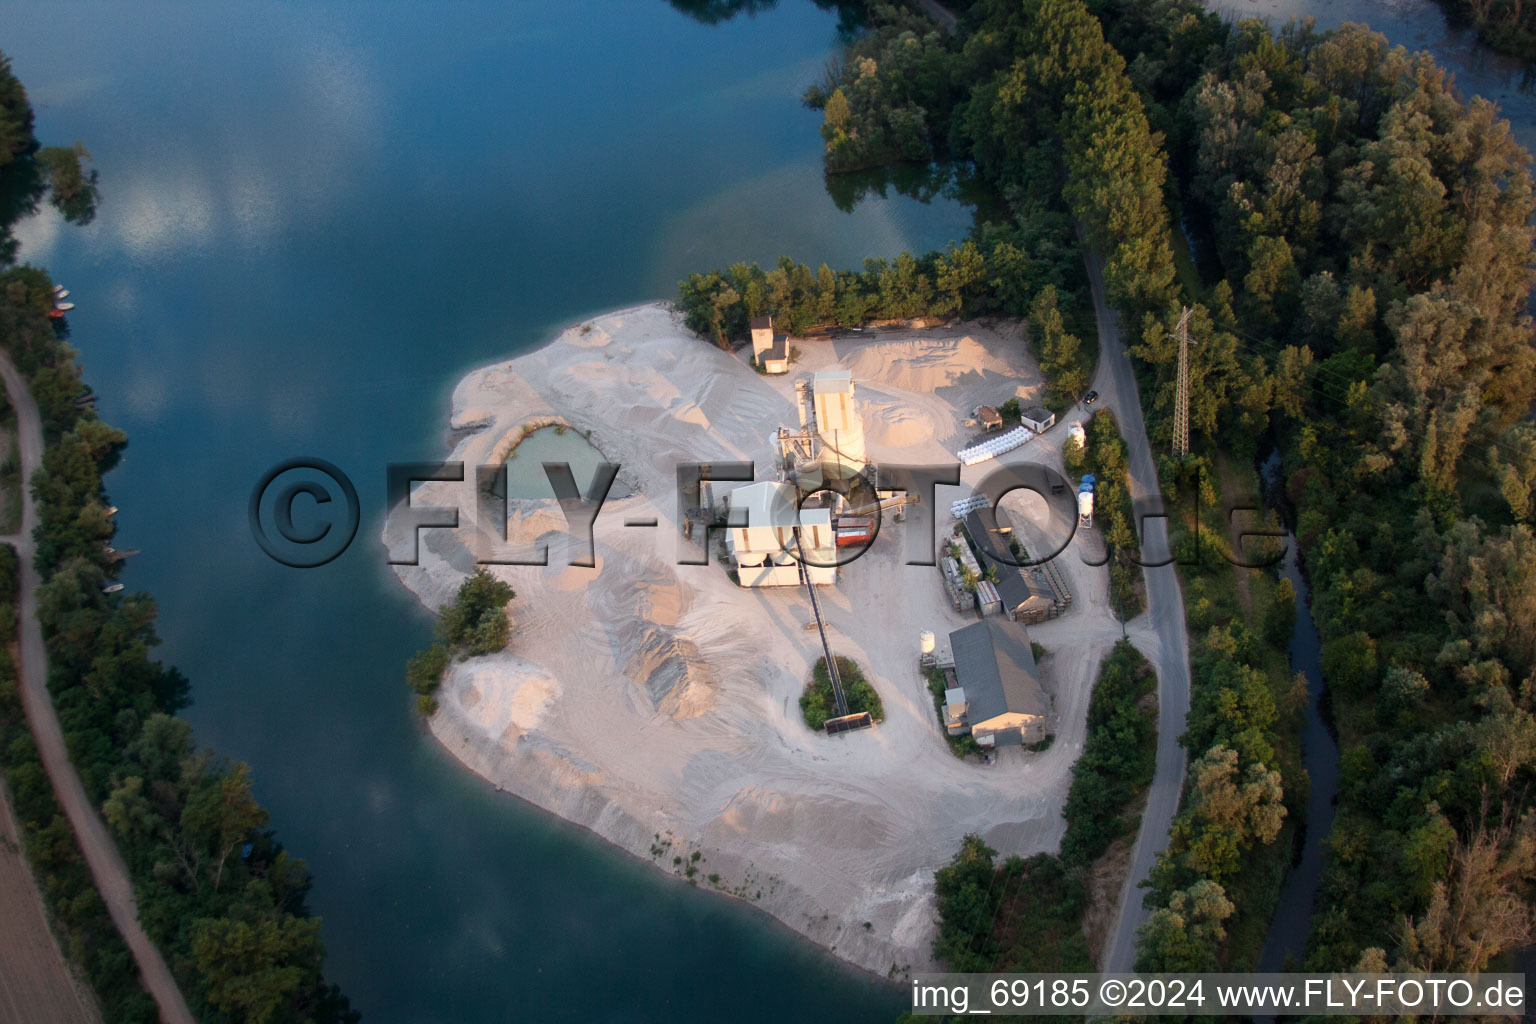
1319, 755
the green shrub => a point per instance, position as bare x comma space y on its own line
1117, 760
474, 624
817, 703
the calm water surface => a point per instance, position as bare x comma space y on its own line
1287, 938
314, 220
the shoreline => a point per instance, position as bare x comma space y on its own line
668, 878
655, 703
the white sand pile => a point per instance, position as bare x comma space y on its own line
889, 424
656, 702
498, 699
672, 670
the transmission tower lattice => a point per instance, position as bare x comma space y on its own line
1181, 400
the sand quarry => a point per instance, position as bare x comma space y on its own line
657, 703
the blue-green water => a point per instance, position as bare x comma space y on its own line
526, 477
315, 219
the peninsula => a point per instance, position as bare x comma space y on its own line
656, 703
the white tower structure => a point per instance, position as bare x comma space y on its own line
838, 424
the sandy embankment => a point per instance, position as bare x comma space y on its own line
656, 703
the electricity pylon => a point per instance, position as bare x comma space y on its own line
1181, 400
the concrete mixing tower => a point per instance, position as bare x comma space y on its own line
838, 425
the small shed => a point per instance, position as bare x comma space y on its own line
988, 601
954, 711
1037, 419
770, 351
989, 417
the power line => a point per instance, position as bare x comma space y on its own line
1181, 399
1333, 385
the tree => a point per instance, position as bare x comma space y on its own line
960, 274
1186, 935
220, 814
129, 813
966, 908
1271, 281
425, 669
252, 969
1488, 585
1229, 812
836, 114
1280, 615
1349, 663
1514, 465
67, 488
720, 304
475, 622
1479, 910
73, 187
1060, 361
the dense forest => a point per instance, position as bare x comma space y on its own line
216, 890
1361, 304
1373, 234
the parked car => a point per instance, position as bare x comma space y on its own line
1090, 398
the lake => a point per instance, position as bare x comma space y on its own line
314, 221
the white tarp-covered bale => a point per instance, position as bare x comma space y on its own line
994, 446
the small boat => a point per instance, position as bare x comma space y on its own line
60, 292
56, 314
111, 588
63, 307
58, 287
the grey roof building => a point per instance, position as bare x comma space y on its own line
1037, 419
995, 667
1025, 592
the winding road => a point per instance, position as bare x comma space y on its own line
1159, 633
1166, 644
106, 864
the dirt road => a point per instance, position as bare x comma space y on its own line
107, 867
